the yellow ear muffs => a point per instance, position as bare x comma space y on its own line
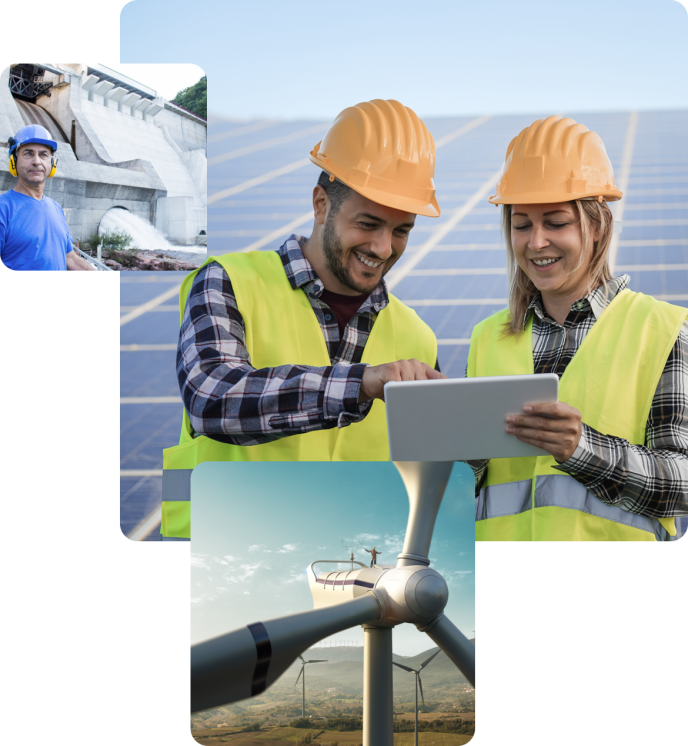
13, 159
13, 166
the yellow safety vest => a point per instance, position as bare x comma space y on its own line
611, 380
282, 329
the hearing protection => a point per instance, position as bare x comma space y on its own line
33, 133
13, 161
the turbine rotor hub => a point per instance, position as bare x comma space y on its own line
415, 594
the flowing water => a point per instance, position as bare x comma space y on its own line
144, 235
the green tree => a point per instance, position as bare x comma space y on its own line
250, 728
194, 98
116, 240
300, 723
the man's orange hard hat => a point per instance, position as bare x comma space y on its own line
382, 150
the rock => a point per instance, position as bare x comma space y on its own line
157, 262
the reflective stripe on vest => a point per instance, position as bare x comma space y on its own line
611, 380
272, 310
176, 484
561, 493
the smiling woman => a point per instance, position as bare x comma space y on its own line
618, 438
582, 232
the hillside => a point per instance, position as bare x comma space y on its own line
439, 678
336, 688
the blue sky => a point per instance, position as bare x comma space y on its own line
257, 527
309, 59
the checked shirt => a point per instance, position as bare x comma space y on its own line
650, 480
230, 401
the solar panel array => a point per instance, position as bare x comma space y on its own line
452, 273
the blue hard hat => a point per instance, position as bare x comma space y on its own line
33, 133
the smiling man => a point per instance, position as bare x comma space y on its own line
283, 355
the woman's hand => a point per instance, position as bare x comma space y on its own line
553, 426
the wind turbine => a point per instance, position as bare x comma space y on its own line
418, 683
303, 668
243, 663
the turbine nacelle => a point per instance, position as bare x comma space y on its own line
415, 594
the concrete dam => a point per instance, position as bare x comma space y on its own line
127, 158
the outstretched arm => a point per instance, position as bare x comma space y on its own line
231, 401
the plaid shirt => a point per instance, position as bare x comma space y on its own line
230, 401
650, 480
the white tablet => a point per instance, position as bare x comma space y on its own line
462, 418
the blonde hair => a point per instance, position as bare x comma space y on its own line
595, 217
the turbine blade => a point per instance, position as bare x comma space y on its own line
318, 661
425, 483
245, 662
423, 665
420, 684
455, 645
301, 657
299, 676
394, 663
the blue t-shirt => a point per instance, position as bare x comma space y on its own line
33, 233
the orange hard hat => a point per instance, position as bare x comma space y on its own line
555, 160
382, 150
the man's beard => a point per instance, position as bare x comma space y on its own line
333, 251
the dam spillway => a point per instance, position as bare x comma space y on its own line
34, 114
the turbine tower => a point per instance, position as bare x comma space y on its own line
302, 673
418, 683
243, 663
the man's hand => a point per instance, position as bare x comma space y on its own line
376, 376
554, 426
75, 262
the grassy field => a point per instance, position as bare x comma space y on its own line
431, 739
290, 736
440, 715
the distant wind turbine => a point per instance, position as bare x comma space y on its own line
303, 668
418, 683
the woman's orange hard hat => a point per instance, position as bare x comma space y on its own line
555, 160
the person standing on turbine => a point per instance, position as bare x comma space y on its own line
374, 554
